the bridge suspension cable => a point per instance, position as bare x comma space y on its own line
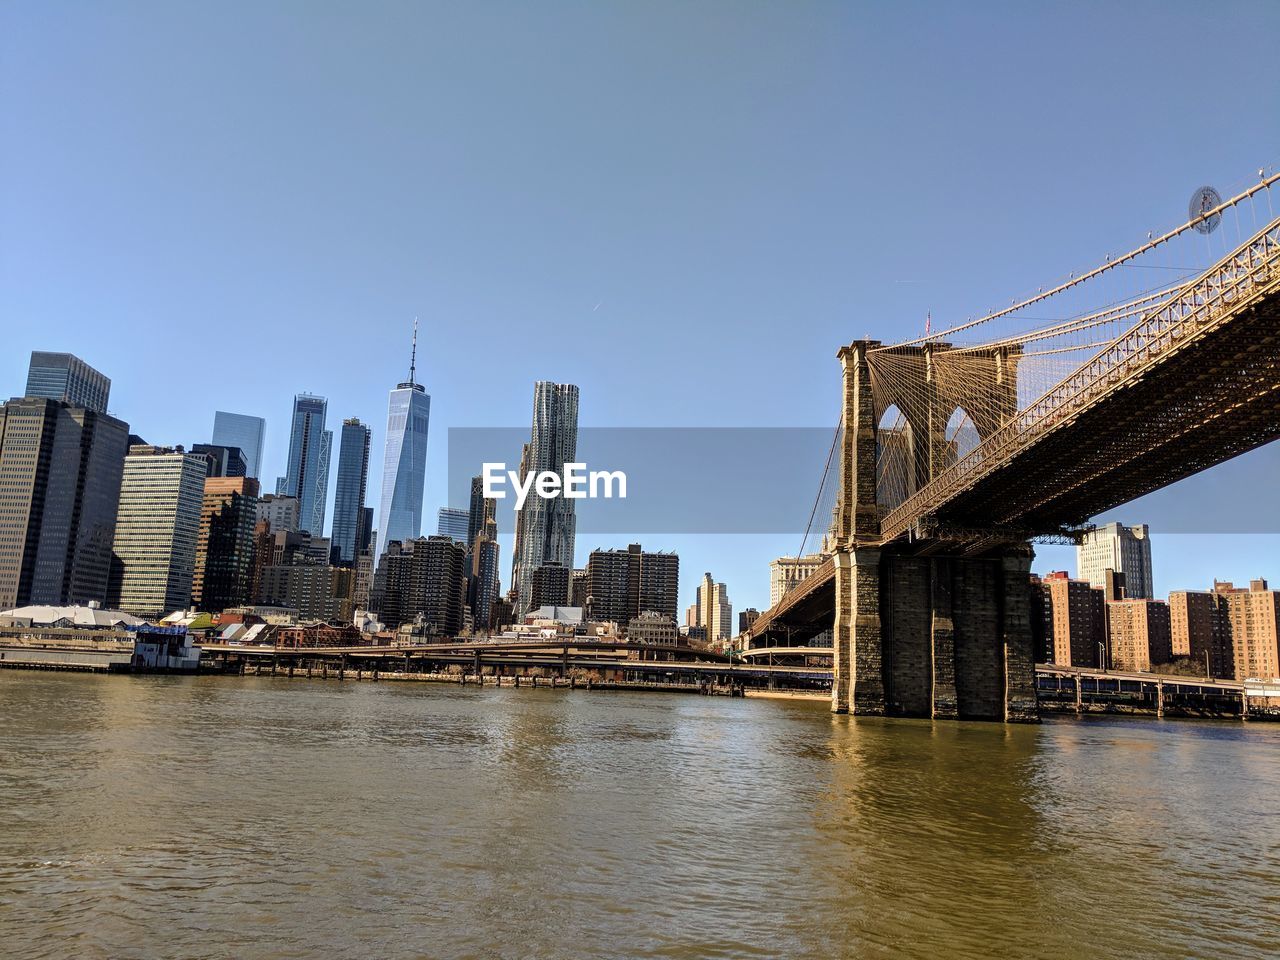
1264, 184
828, 488
1012, 395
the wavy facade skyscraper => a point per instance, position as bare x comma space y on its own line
545, 528
404, 459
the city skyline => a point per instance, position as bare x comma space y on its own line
776, 232
856, 424
1193, 571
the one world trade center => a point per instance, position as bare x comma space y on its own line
404, 463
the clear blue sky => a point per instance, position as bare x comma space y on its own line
682, 207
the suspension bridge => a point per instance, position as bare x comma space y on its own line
957, 450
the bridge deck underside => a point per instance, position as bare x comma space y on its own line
809, 613
1197, 408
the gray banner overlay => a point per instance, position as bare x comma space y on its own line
764, 480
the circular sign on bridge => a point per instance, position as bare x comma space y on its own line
1202, 201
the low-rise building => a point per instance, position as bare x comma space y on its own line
653, 628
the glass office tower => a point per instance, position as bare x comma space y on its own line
61, 376
243, 431
60, 470
452, 522
307, 476
404, 460
348, 500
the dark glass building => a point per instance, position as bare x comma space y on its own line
60, 470
225, 544
481, 510
61, 376
348, 502
244, 432
483, 588
223, 461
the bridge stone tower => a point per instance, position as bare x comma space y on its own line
930, 627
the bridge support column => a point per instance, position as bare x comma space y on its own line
857, 516
1020, 704
858, 681
946, 702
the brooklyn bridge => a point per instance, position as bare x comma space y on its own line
955, 452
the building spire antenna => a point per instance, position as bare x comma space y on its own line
413, 355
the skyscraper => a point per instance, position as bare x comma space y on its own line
404, 460
482, 509
307, 476
61, 376
453, 522
225, 544
364, 532
60, 469
243, 431
1123, 549
348, 501
161, 494
546, 527
714, 611
425, 578
626, 583
223, 461
482, 583
281, 513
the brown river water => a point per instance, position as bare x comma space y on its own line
255, 818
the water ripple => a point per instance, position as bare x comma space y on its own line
263, 819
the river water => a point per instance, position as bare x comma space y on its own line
257, 818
